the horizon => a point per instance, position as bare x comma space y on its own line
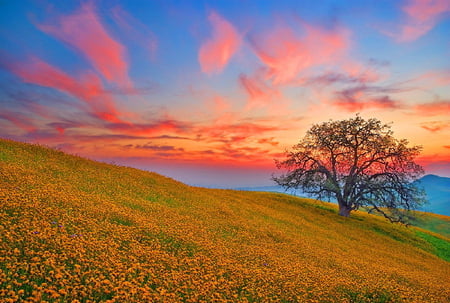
209, 93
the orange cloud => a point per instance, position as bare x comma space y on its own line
286, 53
433, 159
243, 129
433, 108
216, 52
270, 141
89, 90
260, 94
159, 127
84, 31
422, 16
435, 126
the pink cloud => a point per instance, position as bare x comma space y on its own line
218, 105
435, 78
362, 73
88, 90
259, 93
433, 108
438, 164
364, 97
373, 103
286, 53
422, 16
84, 31
39, 72
216, 52
18, 119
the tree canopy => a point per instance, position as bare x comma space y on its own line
359, 163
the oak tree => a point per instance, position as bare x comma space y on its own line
357, 162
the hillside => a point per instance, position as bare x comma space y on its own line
75, 230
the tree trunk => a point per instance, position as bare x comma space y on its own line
344, 210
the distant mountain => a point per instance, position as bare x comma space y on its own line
438, 194
437, 189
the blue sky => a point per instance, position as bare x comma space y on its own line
210, 92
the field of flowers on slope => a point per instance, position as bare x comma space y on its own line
74, 230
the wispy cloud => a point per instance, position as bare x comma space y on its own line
169, 137
89, 89
435, 163
161, 127
63, 125
270, 141
434, 78
286, 53
421, 17
433, 108
84, 31
20, 120
159, 148
435, 126
136, 30
237, 130
216, 52
260, 94
363, 97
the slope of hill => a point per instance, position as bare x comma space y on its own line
434, 222
74, 230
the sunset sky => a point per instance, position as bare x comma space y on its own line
210, 92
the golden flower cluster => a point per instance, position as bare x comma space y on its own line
73, 230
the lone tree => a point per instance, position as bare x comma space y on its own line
359, 163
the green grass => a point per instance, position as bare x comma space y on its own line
369, 296
122, 220
440, 246
436, 223
134, 236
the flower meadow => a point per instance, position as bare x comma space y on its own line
75, 230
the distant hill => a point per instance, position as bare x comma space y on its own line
438, 194
75, 230
437, 190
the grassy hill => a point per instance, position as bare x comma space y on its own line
74, 230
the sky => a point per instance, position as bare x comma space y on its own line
211, 92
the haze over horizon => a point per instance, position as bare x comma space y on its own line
210, 92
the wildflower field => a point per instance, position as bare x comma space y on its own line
75, 230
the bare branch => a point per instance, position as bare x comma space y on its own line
359, 163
